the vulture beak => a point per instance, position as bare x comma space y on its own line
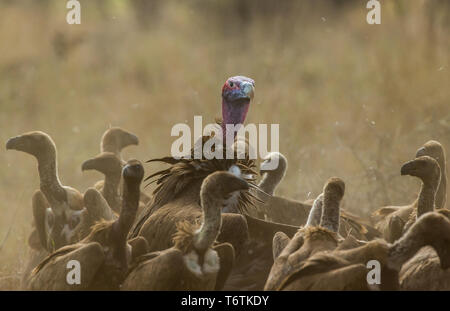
88, 165
407, 168
133, 139
247, 89
420, 152
13, 143
243, 94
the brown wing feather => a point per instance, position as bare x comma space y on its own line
226, 255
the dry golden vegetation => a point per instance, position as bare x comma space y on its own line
353, 100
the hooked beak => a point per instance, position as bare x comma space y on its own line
13, 143
420, 152
133, 139
88, 165
407, 168
244, 94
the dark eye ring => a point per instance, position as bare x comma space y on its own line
231, 84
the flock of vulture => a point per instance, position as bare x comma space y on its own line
211, 224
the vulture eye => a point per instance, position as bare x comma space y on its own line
231, 84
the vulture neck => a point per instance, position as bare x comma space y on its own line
111, 191
426, 199
270, 180
330, 214
315, 213
130, 204
233, 114
212, 221
50, 185
441, 194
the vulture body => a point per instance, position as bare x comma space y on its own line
176, 197
346, 269
394, 218
65, 202
104, 255
423, 271
193, 263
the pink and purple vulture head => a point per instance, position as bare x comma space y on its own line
236, 95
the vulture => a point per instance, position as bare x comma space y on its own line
287, 211
177, 198
65, 202
194, 262
314, 237
110, 165
336, 269
96, 209
393, 218
177, 195
423, 271
38, 237
113, 141
104, 256
427, 169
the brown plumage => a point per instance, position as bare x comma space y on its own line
177, 198
104, 255
423, 271
192, 263
96, 210
287, 211
392, 219
64, 201
311, 239
38, 249
346, 269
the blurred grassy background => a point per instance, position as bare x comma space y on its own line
353, 100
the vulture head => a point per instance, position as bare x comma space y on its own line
333, 192
237, 92
424, 167
115, 139
106, 163
222, 184
36, 143
334, 188
433, 149
272, 169
274, 157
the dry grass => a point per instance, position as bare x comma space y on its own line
352, 100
